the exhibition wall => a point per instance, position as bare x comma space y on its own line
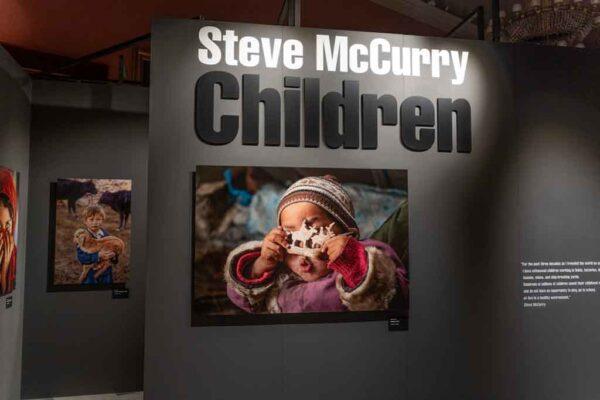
553, 350
520, 197
85, 342
14, 153
349, 360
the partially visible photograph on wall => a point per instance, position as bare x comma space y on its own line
90, 234
298, 245
9, 201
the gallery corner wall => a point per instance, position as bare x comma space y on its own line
84, 342
15, 89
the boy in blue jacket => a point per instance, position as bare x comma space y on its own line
93, 218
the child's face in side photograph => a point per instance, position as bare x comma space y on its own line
94, 222
292, 217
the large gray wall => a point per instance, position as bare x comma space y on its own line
558, 98
527, 192
14, 153
84, 342
445, 352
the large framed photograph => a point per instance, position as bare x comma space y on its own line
296, 245
9, 201
90, 234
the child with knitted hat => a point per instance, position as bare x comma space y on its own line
313, 261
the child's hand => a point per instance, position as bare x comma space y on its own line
8, 247
272, 252
334, 247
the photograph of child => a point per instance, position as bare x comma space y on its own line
8, 230
97, 262
92, 231
295, 241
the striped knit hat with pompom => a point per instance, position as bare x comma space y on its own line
327, 193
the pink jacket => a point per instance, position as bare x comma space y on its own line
382, 283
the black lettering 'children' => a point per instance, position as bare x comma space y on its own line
417, 115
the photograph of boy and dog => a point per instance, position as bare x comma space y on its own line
283, 241
92, 231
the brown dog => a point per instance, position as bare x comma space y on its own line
87, 243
